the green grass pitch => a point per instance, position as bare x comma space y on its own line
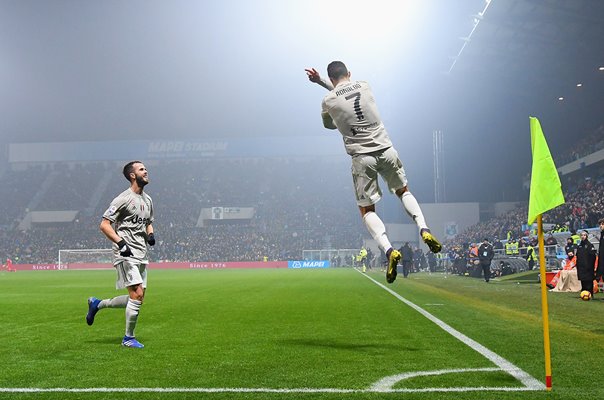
293, 334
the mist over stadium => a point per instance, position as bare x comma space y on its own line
264, 279
189, 86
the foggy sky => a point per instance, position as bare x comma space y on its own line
109, 70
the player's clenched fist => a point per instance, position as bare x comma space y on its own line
124, 248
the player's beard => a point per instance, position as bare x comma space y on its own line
141, 182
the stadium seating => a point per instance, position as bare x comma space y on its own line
292, 213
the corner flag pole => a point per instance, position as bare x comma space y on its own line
546, 194
544, 308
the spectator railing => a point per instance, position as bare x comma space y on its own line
550, 251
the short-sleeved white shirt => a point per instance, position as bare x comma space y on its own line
131, 213
352, 107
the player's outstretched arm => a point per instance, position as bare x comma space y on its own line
315, 77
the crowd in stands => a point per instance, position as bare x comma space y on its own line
71, 186
298, 205
583, 207
18, 189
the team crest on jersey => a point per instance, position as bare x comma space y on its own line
110, 210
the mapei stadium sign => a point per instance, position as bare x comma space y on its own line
308, 264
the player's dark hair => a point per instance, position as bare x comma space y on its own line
128, 169
336, 70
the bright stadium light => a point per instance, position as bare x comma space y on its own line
359, 23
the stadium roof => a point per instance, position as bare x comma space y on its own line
545, 46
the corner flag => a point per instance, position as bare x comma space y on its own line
546, 189
546, 193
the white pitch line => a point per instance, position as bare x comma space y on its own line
175, 390
386, 384
258, 390
526, 379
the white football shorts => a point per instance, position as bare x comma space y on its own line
130, 274
365, 171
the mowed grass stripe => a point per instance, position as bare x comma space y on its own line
219, 329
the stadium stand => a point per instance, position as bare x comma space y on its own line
583, 207
291, 212
583, 188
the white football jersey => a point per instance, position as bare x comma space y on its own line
131, 213
352, 107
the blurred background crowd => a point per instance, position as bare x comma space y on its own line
291, 212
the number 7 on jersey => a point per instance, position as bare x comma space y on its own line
357, 105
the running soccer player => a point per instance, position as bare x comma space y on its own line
128, 224
350, 107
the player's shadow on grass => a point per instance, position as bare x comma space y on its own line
374, 348
106, 340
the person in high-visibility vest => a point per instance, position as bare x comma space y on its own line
369, 258
362, 258
515, 247
508, 248
530, 257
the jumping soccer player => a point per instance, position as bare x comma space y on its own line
128, 224
350, 107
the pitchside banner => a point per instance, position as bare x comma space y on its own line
308, 264
182, 265
156, 265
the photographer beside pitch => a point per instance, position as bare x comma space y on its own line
350, 107
128, 224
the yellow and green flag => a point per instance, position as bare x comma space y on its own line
546, 189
